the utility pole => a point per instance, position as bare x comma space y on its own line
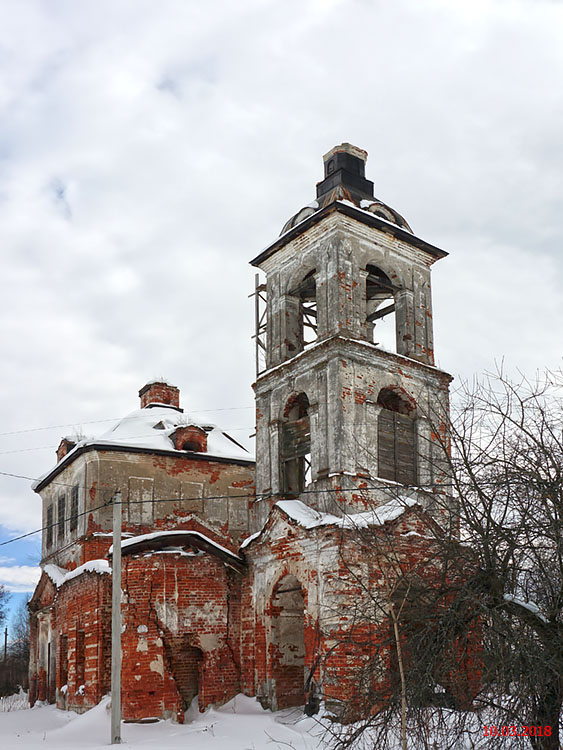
5, 644
116, 624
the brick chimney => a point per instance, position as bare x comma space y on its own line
65, 446
159, 392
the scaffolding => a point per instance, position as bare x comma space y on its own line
260, 323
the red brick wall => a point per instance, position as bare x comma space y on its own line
174, 601
83, 606
192, 624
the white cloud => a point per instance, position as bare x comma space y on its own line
19, 578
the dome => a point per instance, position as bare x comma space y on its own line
375, 207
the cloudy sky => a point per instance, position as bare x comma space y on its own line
148, 150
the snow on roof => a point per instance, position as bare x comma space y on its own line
530, 606
174, 533
250, 538
151, 429
60, 575
55, 573
309, 518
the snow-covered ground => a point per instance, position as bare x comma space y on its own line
240, 724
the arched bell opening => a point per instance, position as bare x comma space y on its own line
380, 308
306, 294
287, 649
296, 445
396, 437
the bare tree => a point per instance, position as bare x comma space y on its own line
507, 468
4, 596
470, 616
14, 668
19, 646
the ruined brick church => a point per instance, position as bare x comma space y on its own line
238, 575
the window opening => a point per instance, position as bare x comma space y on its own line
63, 659
74, 509
396, 440
49, 524
61, 516
380, 308
80, 657
296, 445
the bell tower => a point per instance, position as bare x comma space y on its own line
342, 405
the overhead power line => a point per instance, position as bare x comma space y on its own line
256, 496
116, 419
50, 526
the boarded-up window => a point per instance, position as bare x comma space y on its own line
238, 509
61, 515
192, 497
74, 509
140, 500
217, 509
396, 452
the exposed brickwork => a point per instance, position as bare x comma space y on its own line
333, 569
159, 393
180, 635
79, 617
190, 438
65, 446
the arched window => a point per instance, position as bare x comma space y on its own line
306, 293
296, 445
380, 308
396, 437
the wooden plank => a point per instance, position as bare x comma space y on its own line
296, 438
386, 445
380, 313
396, 447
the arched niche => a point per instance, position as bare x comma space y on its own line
287, 649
